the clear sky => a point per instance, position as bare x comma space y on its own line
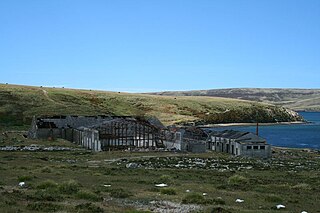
156, 45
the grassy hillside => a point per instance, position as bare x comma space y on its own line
296, 99
19, 103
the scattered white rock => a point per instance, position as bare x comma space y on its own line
22, 184
161, 185
280, 206
171, 207
132, 165
204, 194
239, 201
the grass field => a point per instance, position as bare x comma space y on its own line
83, 181
19, 103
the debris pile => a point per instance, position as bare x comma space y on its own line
34, 147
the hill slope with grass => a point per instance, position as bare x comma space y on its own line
18, 104
296, 99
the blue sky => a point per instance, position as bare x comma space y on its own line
141, 46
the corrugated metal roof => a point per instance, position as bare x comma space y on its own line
238, 136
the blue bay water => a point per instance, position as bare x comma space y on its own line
294, 136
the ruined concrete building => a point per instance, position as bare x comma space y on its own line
100, 132
239, 144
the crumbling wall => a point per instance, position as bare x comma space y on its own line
196, 146
256, 152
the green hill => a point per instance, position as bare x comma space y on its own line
19, 103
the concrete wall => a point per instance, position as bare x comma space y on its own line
176, 140
256, 150
48, 133
173, 140
33, 130
87, 138
197, 147
219, 144
172, 145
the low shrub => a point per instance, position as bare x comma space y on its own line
301, 186
24, 178
168, 191
237, 180
120, 193
47, 184
10, 202
44, 207
144, 182
166, 179
16, 194
273, 198
195, 198
219, 201
89, 207
222, 186
220, 210
153, 189
69, 187
46, 170
87, 195
48, 194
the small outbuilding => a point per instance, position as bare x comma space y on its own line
239, 143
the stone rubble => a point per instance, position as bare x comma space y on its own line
219, 164
34, 147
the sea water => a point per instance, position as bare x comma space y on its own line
294, 135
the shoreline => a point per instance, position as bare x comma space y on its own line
252, 124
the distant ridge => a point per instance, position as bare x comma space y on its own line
296, 99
